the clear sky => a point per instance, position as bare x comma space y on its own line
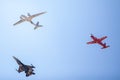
59, 50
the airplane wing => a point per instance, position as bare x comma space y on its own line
35, 15
92, 42
18, 61
93, 37
103, 38
20, 21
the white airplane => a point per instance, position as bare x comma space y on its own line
28, 18
36, 25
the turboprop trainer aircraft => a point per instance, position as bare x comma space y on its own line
28, 18
98, 41
22, 67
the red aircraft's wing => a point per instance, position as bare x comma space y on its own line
93, 37
92, 42
103, 38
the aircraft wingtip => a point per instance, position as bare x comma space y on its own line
91, 34
14, 24
45, 12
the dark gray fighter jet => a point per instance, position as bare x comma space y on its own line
22, 67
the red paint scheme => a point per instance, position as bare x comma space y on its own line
98, 41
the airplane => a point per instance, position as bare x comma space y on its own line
36, 25
22, 67
28, 18
98, 41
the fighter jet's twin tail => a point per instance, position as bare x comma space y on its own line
29, 18
28, 69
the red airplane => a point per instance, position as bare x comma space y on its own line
98, 41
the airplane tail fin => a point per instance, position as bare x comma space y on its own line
32, 66
28, 14
105, 46
37, 25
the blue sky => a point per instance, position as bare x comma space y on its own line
59, 50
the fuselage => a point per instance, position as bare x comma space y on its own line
96, 40
29, 18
